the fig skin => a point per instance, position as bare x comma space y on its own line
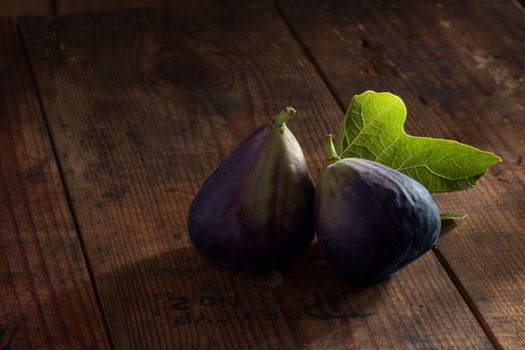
256, 210
372, 220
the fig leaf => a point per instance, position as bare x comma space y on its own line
373, 129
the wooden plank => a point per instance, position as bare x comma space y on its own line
459, 67
25, 7
144, 105
46, 295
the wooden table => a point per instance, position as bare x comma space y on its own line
110, 122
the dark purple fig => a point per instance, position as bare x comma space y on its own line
372, 220
255, 210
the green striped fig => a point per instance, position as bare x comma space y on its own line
255, 210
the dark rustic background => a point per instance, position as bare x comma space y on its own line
56, 7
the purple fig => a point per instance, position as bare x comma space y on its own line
255, 210
372, 220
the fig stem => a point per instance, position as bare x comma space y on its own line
329, 148
285, 114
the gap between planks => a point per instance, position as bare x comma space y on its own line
53, 7
61, 175
468, 299
442, 260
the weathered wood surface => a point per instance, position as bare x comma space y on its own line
41, 7
46, 295
142, 107
459, 66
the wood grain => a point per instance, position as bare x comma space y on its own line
459, 68
143, 106
46, 296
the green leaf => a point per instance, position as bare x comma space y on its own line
373, 129
450, 216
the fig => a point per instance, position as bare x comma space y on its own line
371, 220
256, 210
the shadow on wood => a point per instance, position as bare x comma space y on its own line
315, 307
